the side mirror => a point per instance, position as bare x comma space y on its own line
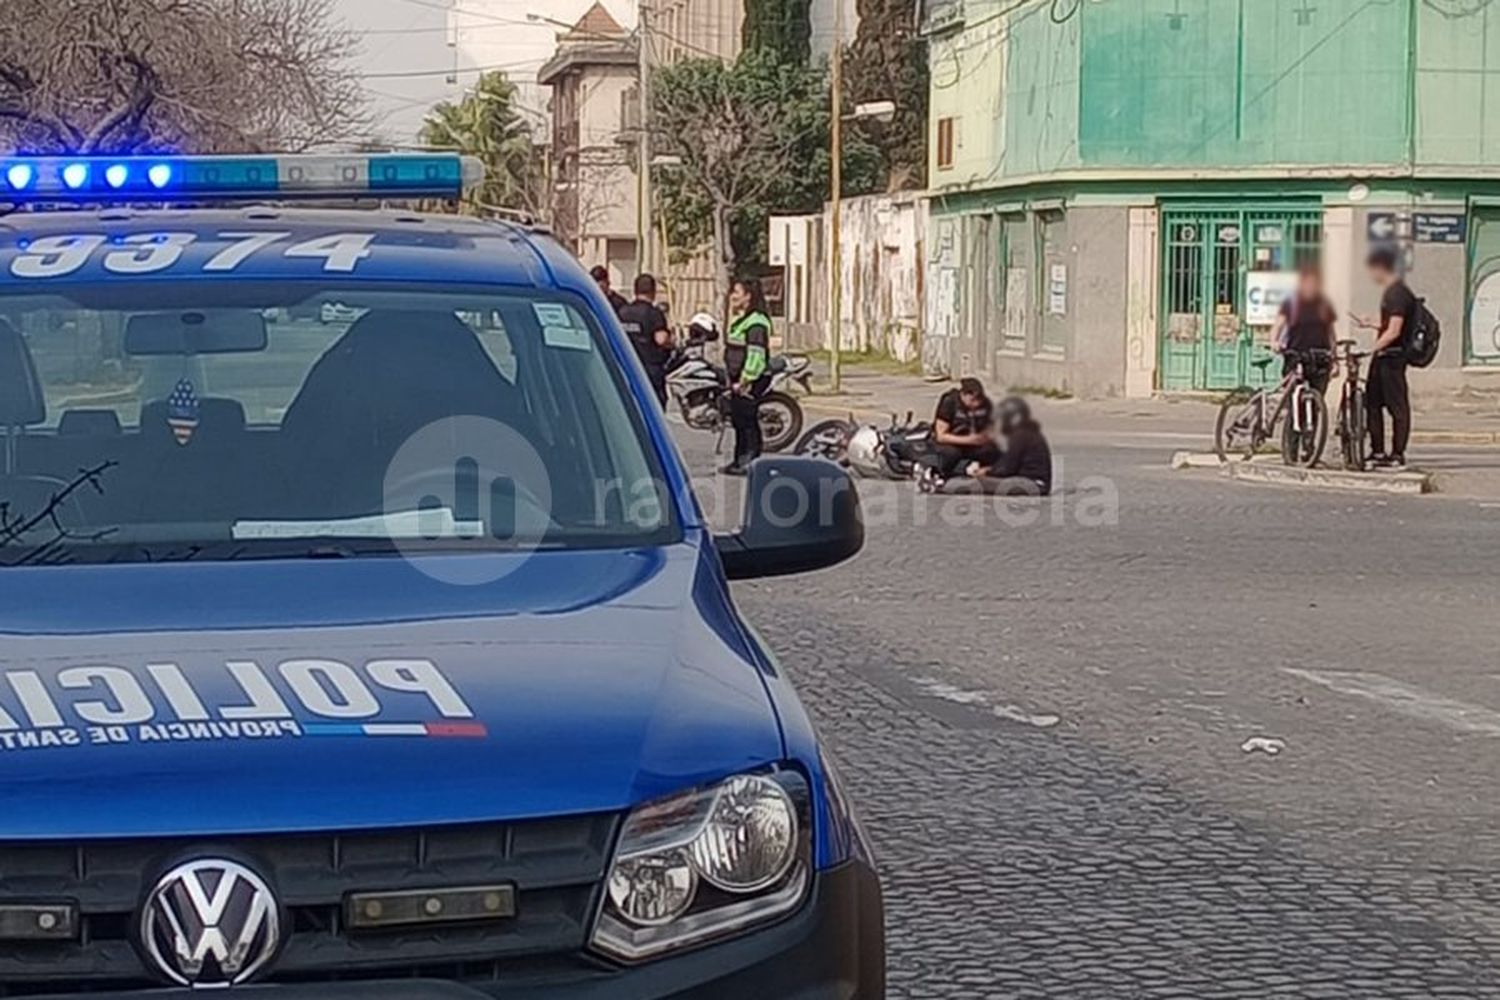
801, 514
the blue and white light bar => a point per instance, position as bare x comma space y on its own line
233, 178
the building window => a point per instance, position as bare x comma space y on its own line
945, 128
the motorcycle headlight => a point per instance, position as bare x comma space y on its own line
706, 864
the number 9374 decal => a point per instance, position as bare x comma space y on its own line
148, 253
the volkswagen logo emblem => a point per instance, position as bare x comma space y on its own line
210, 923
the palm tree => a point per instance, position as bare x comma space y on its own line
487, 124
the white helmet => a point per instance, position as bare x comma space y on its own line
863, 454
706, 325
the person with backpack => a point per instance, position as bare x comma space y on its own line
1404, 328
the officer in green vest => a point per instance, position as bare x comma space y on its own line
747, 356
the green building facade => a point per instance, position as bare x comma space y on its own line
1118, 187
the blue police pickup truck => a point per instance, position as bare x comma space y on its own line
360, 634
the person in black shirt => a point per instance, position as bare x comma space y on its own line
1025, 467
600, 274
1305, 326
962, 432
648, 331
1386, 388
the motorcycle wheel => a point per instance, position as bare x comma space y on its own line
829, 439
780, 421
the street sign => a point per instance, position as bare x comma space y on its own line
1419, 227
1440, 227
1387, 226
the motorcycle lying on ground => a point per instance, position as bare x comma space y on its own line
700, 390
893, 452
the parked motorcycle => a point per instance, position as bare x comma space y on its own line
701, 391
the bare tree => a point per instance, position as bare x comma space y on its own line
191, 75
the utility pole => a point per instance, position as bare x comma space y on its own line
835, 245
643, 229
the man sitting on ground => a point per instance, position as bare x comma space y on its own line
962, 433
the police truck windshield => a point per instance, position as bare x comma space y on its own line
228, 420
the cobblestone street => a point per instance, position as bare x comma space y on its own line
1045, 729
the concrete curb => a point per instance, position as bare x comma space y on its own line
1271, 473
1455, 437
1195, 460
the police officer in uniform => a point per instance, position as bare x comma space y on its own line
647, 327
747, 356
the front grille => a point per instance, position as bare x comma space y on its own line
556, 865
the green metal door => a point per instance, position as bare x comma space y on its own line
1206, 342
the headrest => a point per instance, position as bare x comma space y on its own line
21, 401
387, 332
89, 423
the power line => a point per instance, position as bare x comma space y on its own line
454, 70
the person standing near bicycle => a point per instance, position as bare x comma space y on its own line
1305, 329
1386, 386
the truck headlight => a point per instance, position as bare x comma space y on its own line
707, 863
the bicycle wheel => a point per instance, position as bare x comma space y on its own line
1235, 430
1356, 436
1304, 447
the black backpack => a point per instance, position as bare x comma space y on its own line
1424, 337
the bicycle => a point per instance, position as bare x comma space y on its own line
1246, 423
1353, 429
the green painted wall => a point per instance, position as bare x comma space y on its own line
1216, 83
1458, 86
1041, 94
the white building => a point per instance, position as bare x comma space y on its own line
593, 78
517, 36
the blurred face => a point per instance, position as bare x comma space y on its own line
1309, 285
603, 282
970, 400
739, 298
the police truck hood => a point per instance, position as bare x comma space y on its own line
230, 698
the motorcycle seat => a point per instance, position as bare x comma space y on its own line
777, 365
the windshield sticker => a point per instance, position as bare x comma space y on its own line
553, 314
149, 253
569, 338
105, 704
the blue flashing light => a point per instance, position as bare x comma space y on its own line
19, 176
203, 179
75, 175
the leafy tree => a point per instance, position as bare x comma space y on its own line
199, 76
888, 62
751, 139
487, 124
781, 29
